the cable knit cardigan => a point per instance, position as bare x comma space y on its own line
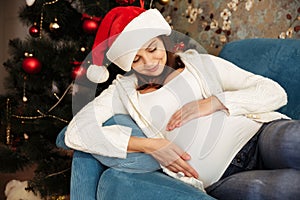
242, 92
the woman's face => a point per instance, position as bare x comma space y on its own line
150, 60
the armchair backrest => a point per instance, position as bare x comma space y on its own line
277, 59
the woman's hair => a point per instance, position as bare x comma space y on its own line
173, 63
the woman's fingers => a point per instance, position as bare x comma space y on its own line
171, 156
175, 120
188, 112
188, 170
181, 165
185, 156
180, 117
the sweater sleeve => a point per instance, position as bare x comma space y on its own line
244, 92
86, 133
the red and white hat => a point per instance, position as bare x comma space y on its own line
122, 32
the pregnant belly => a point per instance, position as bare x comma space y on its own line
212, 142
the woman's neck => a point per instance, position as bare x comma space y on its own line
170, 77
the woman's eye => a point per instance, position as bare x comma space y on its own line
152, 49
136, 59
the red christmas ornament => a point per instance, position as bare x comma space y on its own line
90, 26
34, 30
78, 71
31, 65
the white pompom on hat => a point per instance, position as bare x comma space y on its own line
122, 32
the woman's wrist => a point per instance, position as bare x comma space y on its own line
210, 105
217, 104
137, 144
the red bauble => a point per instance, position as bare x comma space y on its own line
90, 25
31, 65
34, 31
78, 72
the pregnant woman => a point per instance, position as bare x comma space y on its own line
199, 117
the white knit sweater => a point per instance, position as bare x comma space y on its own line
242, 92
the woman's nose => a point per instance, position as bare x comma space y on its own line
148, 60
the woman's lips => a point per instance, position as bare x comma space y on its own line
153, 69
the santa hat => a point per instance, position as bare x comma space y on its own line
122, 32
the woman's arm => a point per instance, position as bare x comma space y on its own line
165, 152
242, 93
245, 92
86, 132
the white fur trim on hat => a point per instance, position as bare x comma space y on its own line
97, 74
140, 30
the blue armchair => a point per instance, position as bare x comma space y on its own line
274, 58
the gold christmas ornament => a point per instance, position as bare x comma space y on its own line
163, 2
82, 49
26, 137
24, 99
26, 54
54, 25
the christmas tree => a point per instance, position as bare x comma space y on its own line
42, 69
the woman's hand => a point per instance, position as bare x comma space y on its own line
194, 109
165, 152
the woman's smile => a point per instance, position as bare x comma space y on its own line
153, 69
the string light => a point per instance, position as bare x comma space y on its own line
24, 90
57, 173
56, 96
8, 126
59, 99
43, 115
42, 14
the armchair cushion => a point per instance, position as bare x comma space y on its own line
119, 185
